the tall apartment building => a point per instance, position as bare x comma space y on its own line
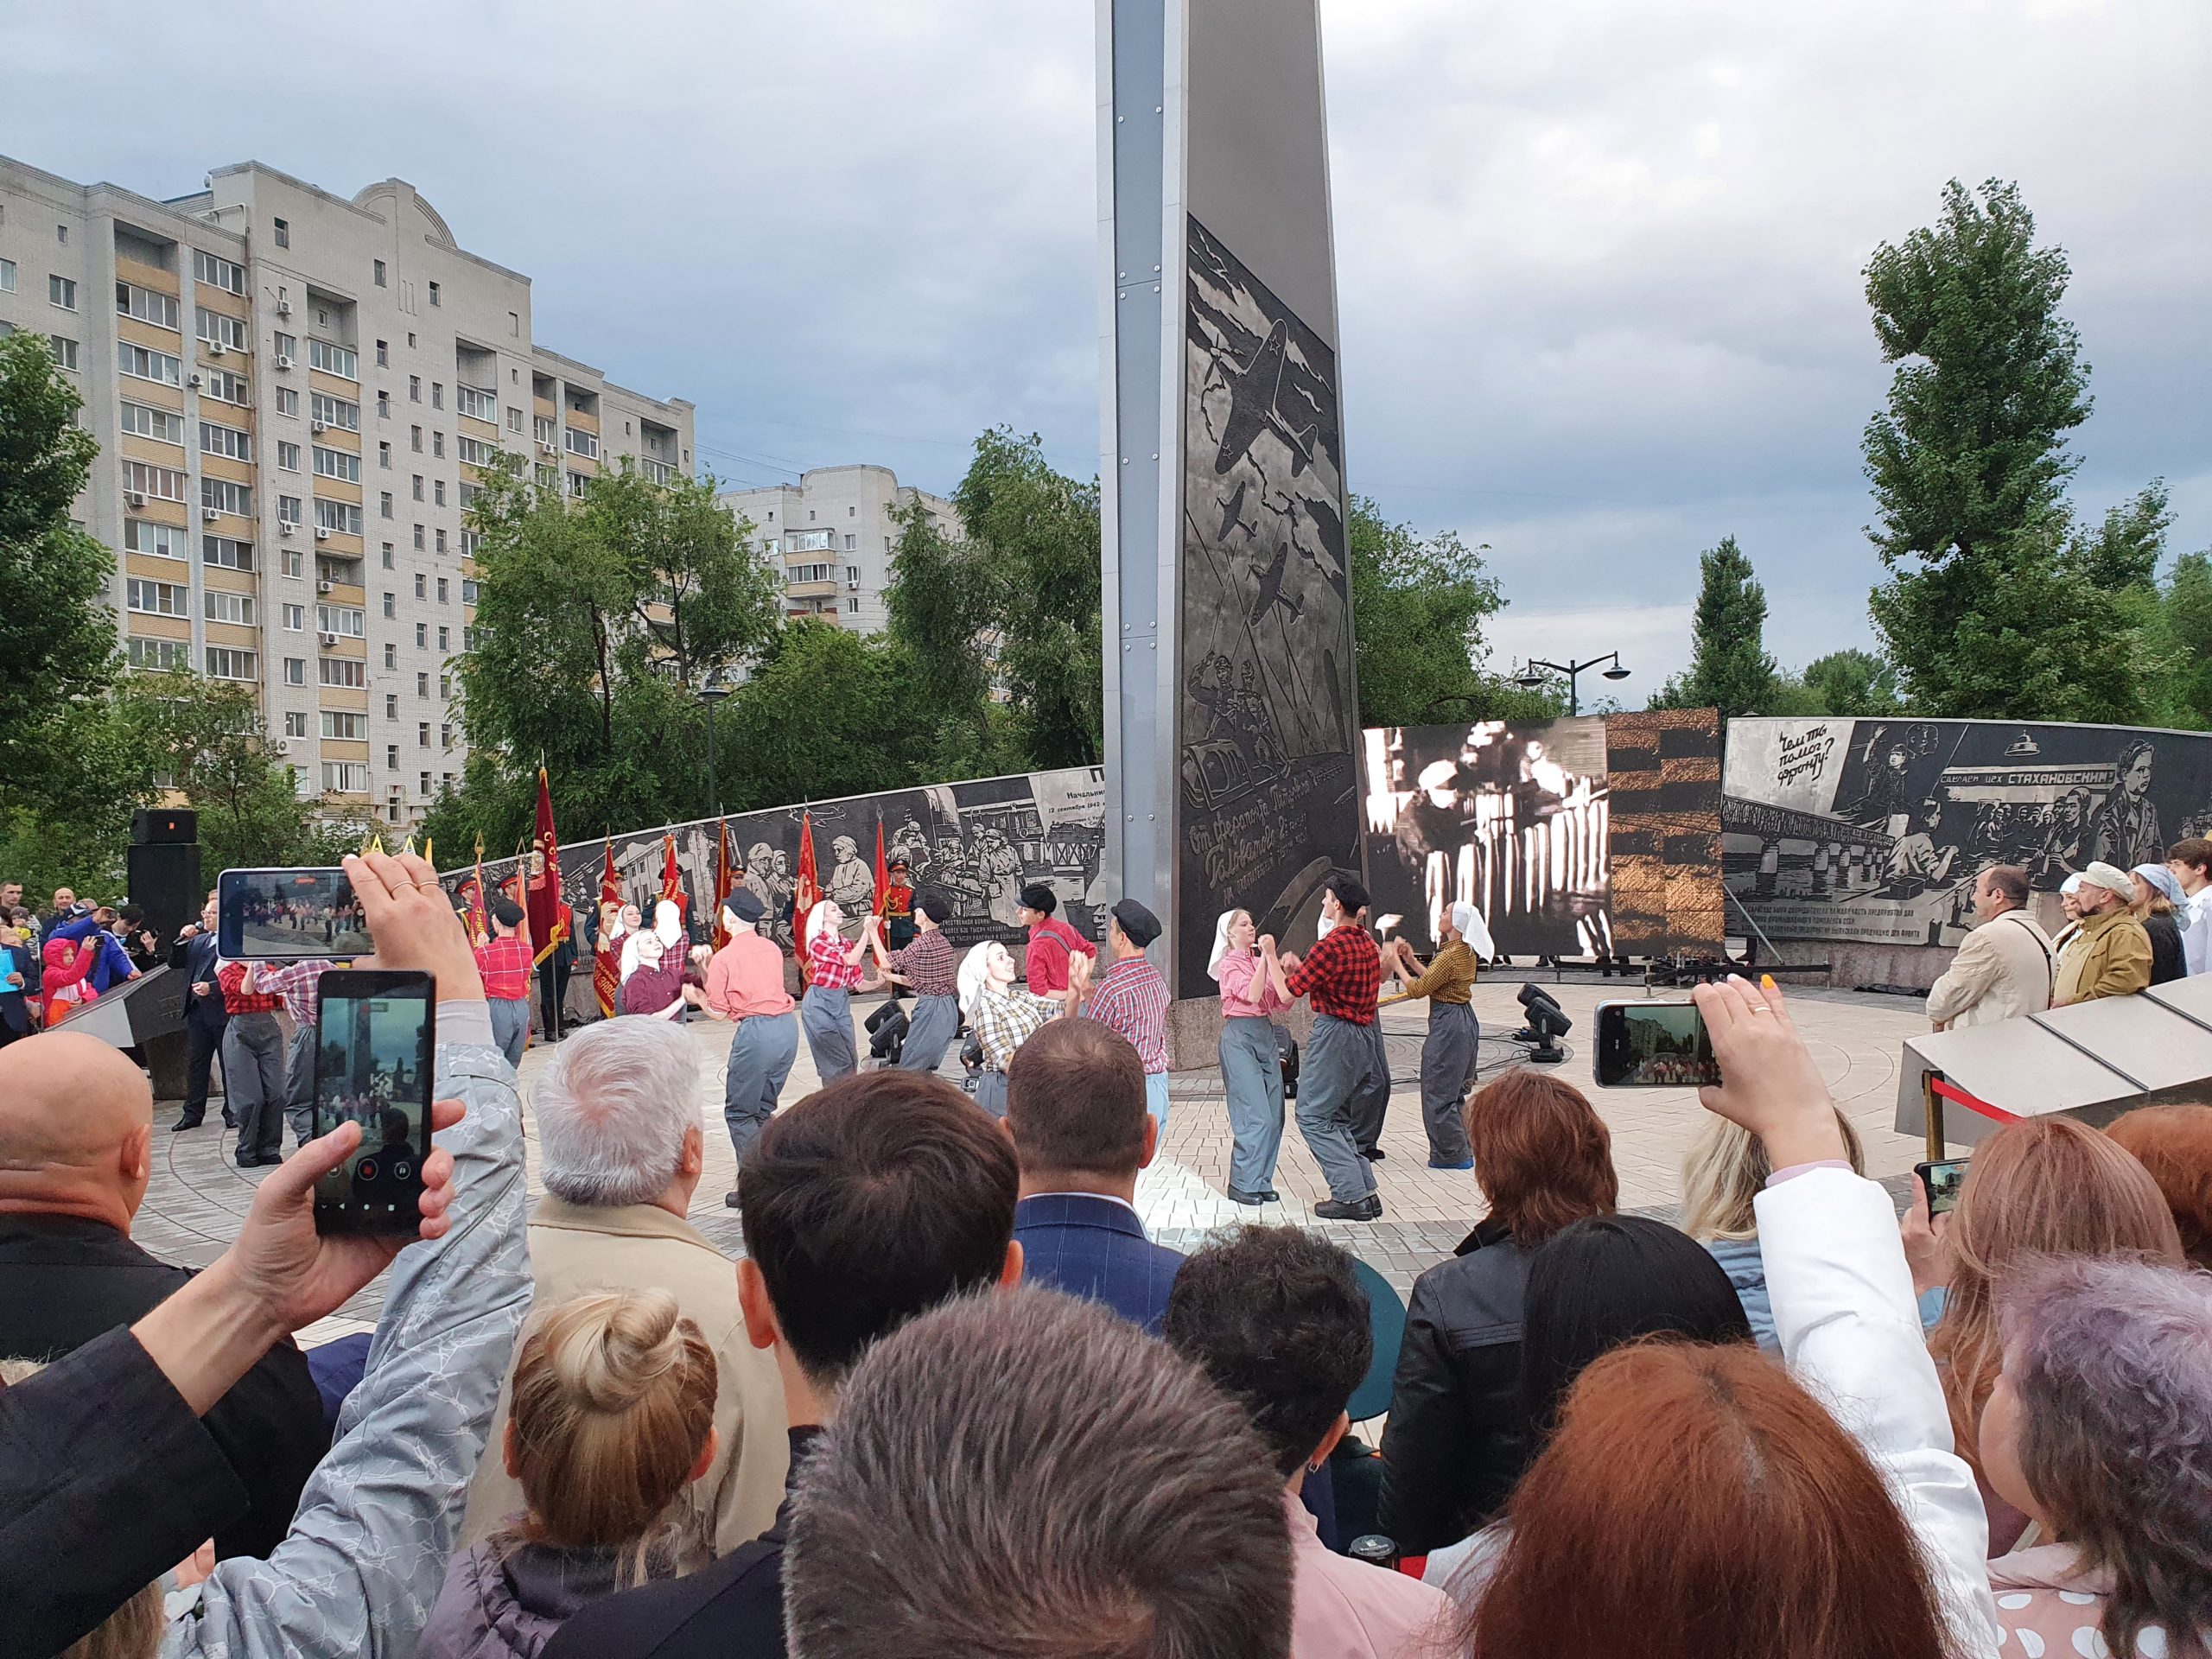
832, 533
293, 392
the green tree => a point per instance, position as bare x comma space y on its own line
1730, 668
1417, 606
57, 638
2188, 632
1852, 683
826, 712
1996, 606
597, 621
945, 604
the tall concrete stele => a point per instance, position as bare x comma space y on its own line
1231, 709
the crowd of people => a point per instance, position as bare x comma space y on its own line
952, 1399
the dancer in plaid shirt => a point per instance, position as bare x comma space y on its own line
1002, 1016
504, 960
1343, 1069
927, 967
825, 1012
1131, 998
298, 985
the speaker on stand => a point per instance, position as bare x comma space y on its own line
162, 868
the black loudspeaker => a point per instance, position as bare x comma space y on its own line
155, 826
164, 880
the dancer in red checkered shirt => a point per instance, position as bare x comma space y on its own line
1343, 1080
505, 960
825, 1012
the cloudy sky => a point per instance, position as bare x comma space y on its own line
1598, 261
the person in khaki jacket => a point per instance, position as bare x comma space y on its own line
618, 1131
2108, 953
2004, 967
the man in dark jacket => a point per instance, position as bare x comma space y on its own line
75, 1121
206, 1016
866, 1204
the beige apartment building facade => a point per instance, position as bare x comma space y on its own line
294, 393
831, 535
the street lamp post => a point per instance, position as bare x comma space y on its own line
710, 694
1530, 678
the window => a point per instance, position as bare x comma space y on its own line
544, 427
225, 607
391, 764
422, 735
340, 518
422, 685
471, 540
343, 671
387, 556
391, 604
61, 291
228, 441
438, 491
422, 637
419, 591
418, 486
288, 509
438, 445
144, 303
337, 463
335, 412
287, 455
162, 483
225, 553
390, 660
283, 232
474, 451
468, 493
225, 387
806, 541
805, 573
334, 360
288, 402
153, 422
468, 590
218, 273
345, 777
156, 541
445, 639
384, 506
476, 402
583, 443
225, 663
61, 235
852, 604
295, 719
548, 478
392, 709
441, 590
294, 562
352, 727
852, 574
378, 273
414, 391
157, 598
287, 344
418, 538
577, 482
158, 653
442, 547
434, 294
468, 638
384, 354
514, 418
445, 687
7, 276
227, 497
295, 619
216, 329
437, 394
384, 462
346, 620
851, 543
410, 340
383, 405
415, 439
64, 351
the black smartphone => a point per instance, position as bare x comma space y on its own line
273, 914
373, 1066
1943, 1176
1653, 1044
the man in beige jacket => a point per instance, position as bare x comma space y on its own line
619, 1137
2109, 954
2004, 967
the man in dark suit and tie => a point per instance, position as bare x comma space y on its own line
1075, 1105
206, 1015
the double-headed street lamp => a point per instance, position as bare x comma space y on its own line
710, 694
1530, 677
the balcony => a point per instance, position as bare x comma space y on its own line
655, 472
811, 590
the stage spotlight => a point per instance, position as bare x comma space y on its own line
1547, 1023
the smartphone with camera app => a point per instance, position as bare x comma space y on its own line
271, 915
1654, 1044
1943, 1178
373, 1067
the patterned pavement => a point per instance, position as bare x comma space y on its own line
197, 1196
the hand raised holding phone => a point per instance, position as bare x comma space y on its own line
1768, 1083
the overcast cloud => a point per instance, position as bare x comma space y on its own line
1597, 260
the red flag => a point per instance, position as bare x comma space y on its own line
671, 878
479, 919
806, 890
542, 889
607, 961
723, 880
883, 875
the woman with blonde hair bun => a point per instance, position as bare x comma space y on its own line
1726, 1170
613, 1413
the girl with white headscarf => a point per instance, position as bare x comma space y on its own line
1447, 1054
833, 969
1002, 1016
1251, 1064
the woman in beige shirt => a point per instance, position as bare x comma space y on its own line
1447, 1054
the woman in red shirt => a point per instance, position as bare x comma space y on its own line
833, 968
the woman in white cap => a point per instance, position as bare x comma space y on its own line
1251, 1065
1001, 1016
2157, 896
1447, 1053
825, 1012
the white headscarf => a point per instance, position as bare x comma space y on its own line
668, 922
818, 917
1469, 923
1227, 920
975, 974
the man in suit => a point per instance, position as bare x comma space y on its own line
206, 1017
1075, 1105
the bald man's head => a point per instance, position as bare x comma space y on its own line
76, 1119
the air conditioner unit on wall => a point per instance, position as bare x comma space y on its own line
328, 640
323, 587
283, 360
214, 348
132, 498
284, 527
322, 532
194, 382
208, 515
283, 308
318, 427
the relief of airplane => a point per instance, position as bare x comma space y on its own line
1254, 392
